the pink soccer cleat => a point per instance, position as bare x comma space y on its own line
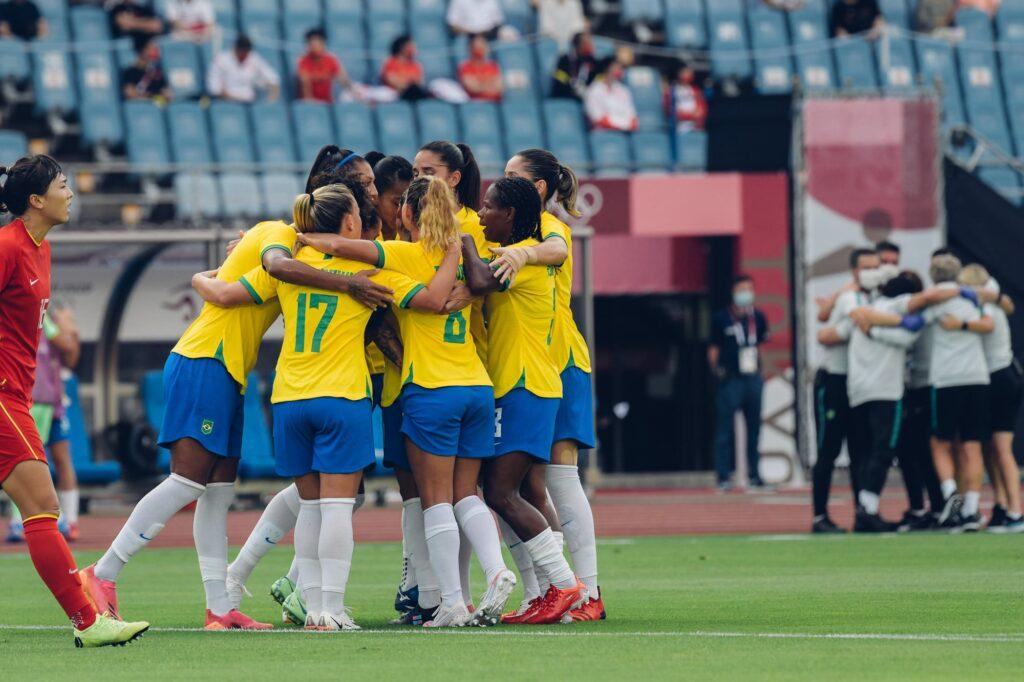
102, 593
233, 620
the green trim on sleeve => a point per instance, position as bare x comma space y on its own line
504, 286
252, 292
380, 254
274, 246
409, 296
549, 235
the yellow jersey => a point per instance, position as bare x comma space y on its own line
522, 322
233, 335
322, 354
438, 349
568, 347
469, 223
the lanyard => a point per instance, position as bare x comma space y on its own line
748, 336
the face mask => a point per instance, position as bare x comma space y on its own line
870, 279
743, 299
478, 52
888, 271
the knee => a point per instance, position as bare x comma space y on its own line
499, 498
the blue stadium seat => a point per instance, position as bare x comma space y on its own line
296, 25
603, 47
564, 120
935, 60
51, 78
645, 84
227, 14
262, 29
190, 138
896, 67
574, 153
546, 56
855, 63
479, 119
436, 62
196, 198
652, 151
279, 191
13, 146
427, 9
728, 32
397, 128
98, 81
303, 12
976, 25
88, 471
1003, 180
519, 15
272, 133
430, 32
983, 95
895, 12
354, 123
1010, 23
1013, 85
154, 405
692, 151
773, 70
489, 153
650, 11
263, 9
808, 29
14, 60
90, 24
384, 28
684, 23
232, 139
523, 129
101, 123
182, 68
240, 195
355, 63
610, 151
437, 121
517, 68
337, 11
56, 14
146, 133
346, 35
256, 442
313, 128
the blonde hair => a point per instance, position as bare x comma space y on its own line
945, 268
433, 211
973, 275
323, 209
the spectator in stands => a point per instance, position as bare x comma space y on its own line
191, 19
934, 15
318, 69
560, 20
22, 19
480, 75
575, 69
145, 78
989, 7
475, 16
609, 103
131, 19
686, 103
852, 17
402, 73
238, 74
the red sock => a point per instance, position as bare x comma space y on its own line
56, 566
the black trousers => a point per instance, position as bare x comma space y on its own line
831, 417
915, 450
877, 428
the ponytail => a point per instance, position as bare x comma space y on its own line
568, 189
332, 165
459, 157
29, 175
323, 209
433, 211
560, 179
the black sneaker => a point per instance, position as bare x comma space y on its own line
1012, 526
912, 522
417, 616
970, 524
825, 525
871, 523
998, 519
405, 601
950, 510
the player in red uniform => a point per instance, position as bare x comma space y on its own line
37, 192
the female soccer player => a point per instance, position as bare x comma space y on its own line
574, 425
527, 387
447, 404
37, 192
204, 380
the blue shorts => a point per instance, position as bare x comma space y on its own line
452, 421
60, 431
524, 422
395, 456
575, 420
377, 380
204, 403
325, 435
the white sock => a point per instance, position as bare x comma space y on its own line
971, 500
307, 541
477, 524
68, 500
409, 566
522, 560
548, 557
419, 555
948, 488
293, 571
442, 534
465, 556
210, 532
277, 519
146, 521
577, 519
335, 549
869, 501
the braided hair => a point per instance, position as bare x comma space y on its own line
520, 195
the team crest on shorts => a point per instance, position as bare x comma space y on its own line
207, 427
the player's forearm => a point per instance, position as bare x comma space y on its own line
219, 292
384, 332
478, 273
342, 247
552, 251
293, 272
986, 325
829, 336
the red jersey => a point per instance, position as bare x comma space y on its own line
481, 70
24, 295
322, 70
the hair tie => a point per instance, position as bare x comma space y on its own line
348, 158
312, 199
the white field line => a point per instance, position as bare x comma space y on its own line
1017, 638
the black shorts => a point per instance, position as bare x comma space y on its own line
961, 413
1005, 394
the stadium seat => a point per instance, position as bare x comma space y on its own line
896, 13
546, 57
610, 151
88, 471
300, 16
489, 154
101, 123
895, 55
976, 25
517, 68
1003, 180
855, 63
313, 128
692, 151
56, 14
479, 119
190, 138
279, 191
227, 14
684, 23
983, 95
240, 195
384, 28
196, 198
346, 35
480, 130
264, 31
645, 84
13, 146
354, 124
262, 9
603, 47
650, 11
90, 25
355, 63
437, 121
773, 70
14, 60
98, 81
436, 62
232, 139
154, 405
182, 68
51, 78
272, 133
809, 32
563, 119
574, 153
935, 60
343, 11
728, 32
519, 15
430, 32
256, 442
523, 129
652, 151
397, 128
145, 133
1010, 23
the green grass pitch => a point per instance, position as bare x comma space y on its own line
711, 608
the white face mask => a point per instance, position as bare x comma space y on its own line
870, 278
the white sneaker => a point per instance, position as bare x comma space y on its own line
450, 617
312, 621
335, 622
236, 589
493, 602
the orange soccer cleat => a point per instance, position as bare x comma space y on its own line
525, 610
233, 620
556, 603
592, 609
102, 593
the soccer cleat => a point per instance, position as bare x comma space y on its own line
72, 533
556, 604
336, 622
525, 610
998, 520
953, 523
406, 600
312, 623
871, 523
494, 599
952, 508
236, 589
233, 620
914, 522
107, 631
969, 524
102, 593
592, 609
281, 588
825, 525
417, 617
449, 617
1012, 526
16, 532
294, 609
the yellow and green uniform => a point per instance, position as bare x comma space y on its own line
568, 347
469, 223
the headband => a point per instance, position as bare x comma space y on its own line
348, 158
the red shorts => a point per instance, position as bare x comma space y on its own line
19, 438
